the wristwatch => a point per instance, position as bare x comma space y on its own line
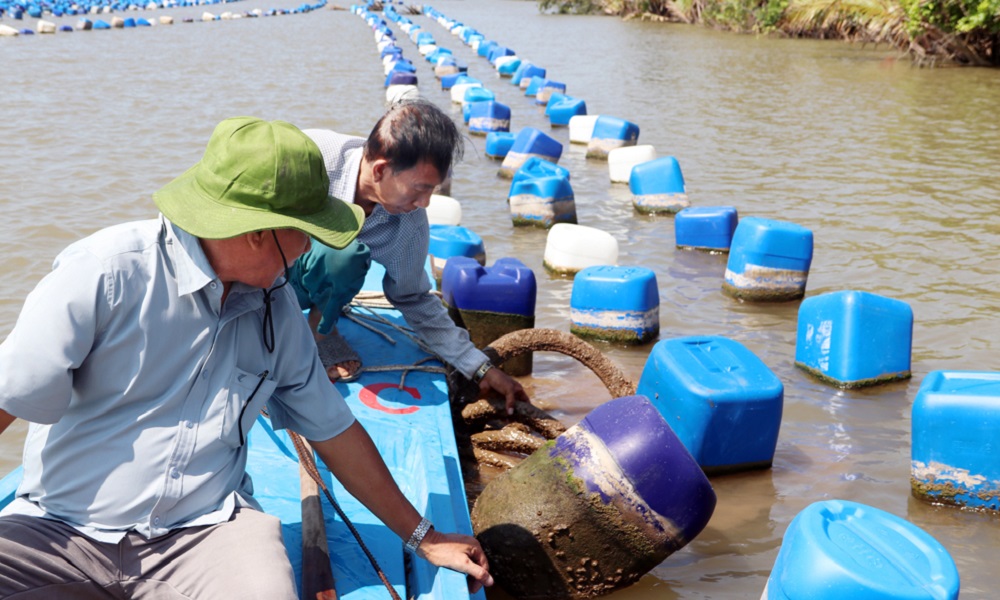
418, 535
481, 371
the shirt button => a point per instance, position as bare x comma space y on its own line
189, 424
156, 521
213, 285
175, 474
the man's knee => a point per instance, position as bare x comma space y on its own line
242, 558
263, 570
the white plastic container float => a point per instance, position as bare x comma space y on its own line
581, 127
458, 91
444, 210
398, 93
571, 248
621, 161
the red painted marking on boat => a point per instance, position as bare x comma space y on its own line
369, 397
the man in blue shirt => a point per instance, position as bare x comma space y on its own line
390, 176
141, 362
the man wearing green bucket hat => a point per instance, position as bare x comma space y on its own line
391, 176
142, 361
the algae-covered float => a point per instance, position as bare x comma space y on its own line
411, 425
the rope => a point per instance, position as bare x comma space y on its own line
309, 466
367, 302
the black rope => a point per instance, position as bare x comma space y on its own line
268, 325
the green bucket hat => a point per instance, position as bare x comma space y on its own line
258, 175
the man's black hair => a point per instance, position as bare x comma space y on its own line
412, 131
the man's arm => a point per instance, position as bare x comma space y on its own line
407, 286
5, 420
354, 460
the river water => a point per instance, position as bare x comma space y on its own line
893, 168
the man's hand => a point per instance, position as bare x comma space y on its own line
5, 420
457, 552
354, 460
504, 384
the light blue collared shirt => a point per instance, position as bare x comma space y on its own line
136, 382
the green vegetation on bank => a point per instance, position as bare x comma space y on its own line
931, 31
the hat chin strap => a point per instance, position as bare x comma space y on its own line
268, 325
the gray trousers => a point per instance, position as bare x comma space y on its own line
243, 558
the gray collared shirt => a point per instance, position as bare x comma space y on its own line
399, 243
137, 383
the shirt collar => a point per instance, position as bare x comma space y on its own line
193, 271
349, 185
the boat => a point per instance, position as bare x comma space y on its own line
409, 418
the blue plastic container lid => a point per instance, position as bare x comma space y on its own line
507, 287
533, 141
477, 94
509, 67
447, 241
400, 77
489, 108
716, 367
658, 176
498, 143
536, 166
498, 51
533, 71
448, 81
706, 226
485, 48
613, 128
556, 85
555, 187
391, 49
837, 549
776, 238
621, 288
534, 85
463, 78
770, 243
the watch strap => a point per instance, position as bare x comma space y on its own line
418, 535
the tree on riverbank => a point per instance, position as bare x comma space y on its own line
963, 32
